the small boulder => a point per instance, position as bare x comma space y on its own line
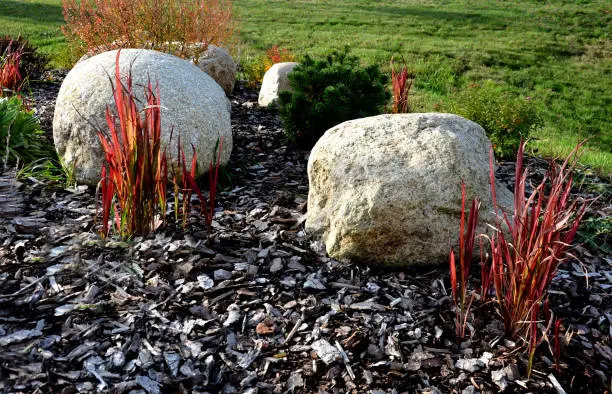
193, 105
275, 80
386, 190
217, 63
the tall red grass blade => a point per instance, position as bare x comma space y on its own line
401, 84
466, 247
453, 275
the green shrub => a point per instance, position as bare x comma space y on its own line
328, 92
504, 117
253, 70
166, 26
31, 62
21, 130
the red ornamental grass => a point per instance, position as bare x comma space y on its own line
10, 78
402, 83
526, 258
188, 180
136, 171
466, 247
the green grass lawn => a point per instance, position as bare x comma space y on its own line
557, 52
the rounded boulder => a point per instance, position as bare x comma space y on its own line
217, 63
386, 190
194, 106
275, 80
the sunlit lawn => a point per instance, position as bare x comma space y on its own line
556, 52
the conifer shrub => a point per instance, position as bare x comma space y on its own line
327, 92
504, 117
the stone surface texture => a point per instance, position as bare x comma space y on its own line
386, 190
275, 80
193, 105
217, 63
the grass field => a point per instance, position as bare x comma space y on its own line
557, 52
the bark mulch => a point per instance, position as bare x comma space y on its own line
253, 304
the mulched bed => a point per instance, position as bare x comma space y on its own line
253, 304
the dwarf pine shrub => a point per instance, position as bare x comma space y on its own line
327, 92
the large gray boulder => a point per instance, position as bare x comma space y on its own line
217, 63
386, 190
193, 105
275, 80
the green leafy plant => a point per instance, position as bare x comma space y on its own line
402, 81
327, 92
53, 170
32, 63
506, 119
467, 236
253, 70
596, 232
171, 26
525, 257
20, 135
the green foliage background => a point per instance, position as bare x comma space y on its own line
557, 52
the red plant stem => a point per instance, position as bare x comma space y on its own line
557, 344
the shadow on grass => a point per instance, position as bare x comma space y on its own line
32, 11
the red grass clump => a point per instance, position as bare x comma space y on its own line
135, 174
10, 77
135, 178
189, 185
526, 252
525, 257
402, 81
540, 232
167, 25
